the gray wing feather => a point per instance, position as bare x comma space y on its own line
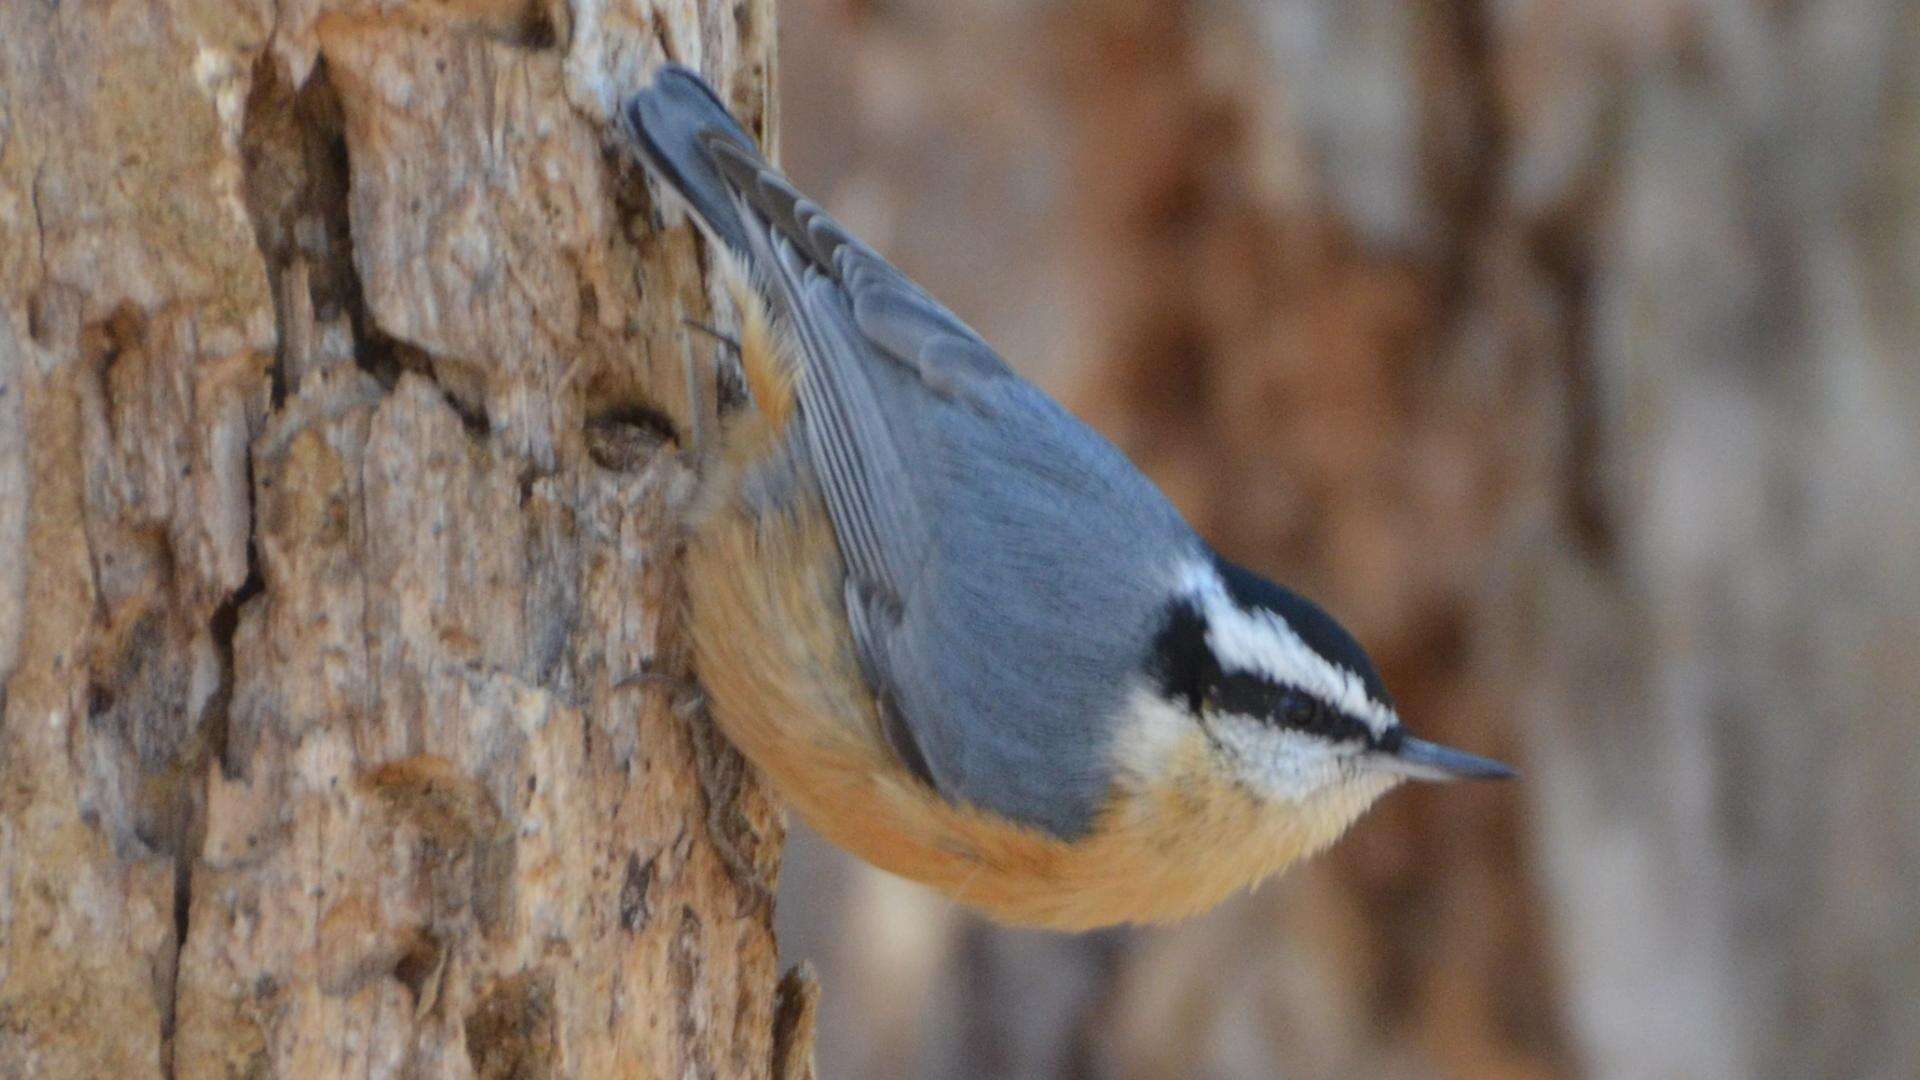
921, 334
869, 496
1001, 557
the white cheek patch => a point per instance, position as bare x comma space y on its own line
1281, 765
1150, 731
1261, 642
1288, 766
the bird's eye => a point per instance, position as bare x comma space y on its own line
1300, 710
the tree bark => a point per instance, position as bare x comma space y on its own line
347, 723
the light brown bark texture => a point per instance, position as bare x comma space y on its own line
347, 727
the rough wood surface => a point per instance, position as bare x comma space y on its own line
346, 721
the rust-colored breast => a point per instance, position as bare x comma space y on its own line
774, 652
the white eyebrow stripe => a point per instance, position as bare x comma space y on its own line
1262, 643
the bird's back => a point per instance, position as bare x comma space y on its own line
1037, 607
1004, 563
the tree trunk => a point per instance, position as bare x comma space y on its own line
348, 727
1584, 344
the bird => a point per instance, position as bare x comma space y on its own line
961, 635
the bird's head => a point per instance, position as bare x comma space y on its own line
1289, 703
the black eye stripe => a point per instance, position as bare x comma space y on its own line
1243, 693
1188, 671
1182, 661
1248, 694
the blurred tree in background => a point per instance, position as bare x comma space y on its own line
1566, 350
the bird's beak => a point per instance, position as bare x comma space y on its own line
1419, 759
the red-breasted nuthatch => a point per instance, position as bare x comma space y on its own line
956, 629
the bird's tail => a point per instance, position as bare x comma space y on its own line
674, 122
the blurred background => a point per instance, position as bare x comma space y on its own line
1568, 352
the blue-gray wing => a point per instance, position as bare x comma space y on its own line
1001, 557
